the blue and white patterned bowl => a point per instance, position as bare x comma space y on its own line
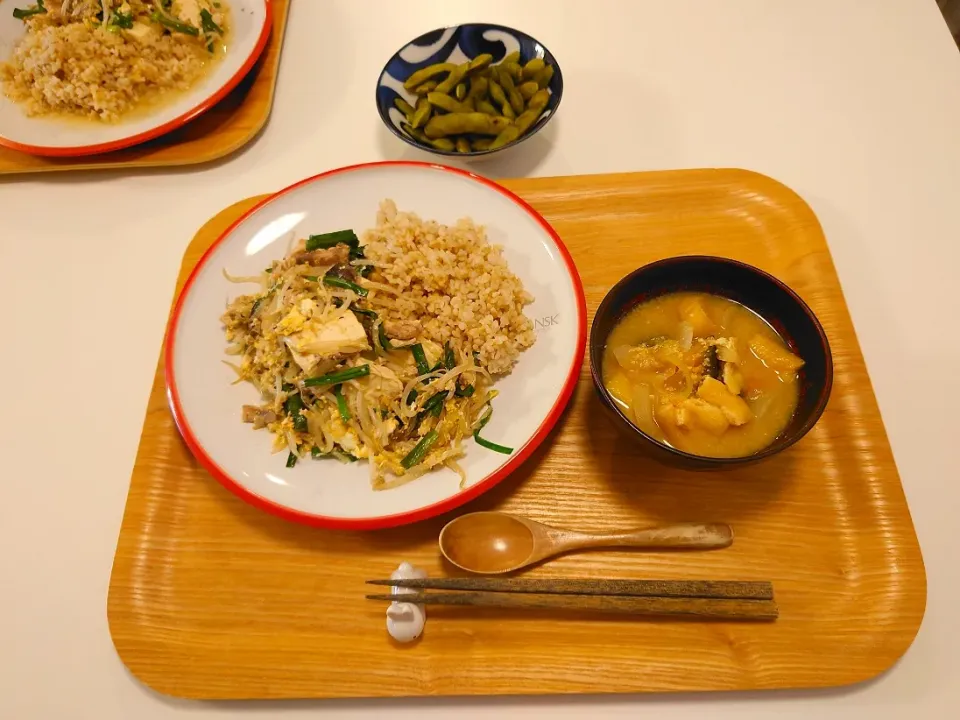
458, 44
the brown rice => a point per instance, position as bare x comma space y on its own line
455, 282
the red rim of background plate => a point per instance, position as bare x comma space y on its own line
411, 516
167, 127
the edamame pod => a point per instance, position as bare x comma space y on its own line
516, 100
424, 74
500, 98
485, 106
445, 144
404, 107
508, 135
414, 133
426, 87
418, 135
460, 123
453, 79
513, 57
463, 145
496, 92
481, 144
526, 120
422, 113
480, 62
445, 102
460, 92
544, 77
539, 101
516, 72
478, 88
528, 89
532, 68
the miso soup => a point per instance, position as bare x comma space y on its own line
703, 374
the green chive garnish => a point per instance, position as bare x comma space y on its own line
465, 392
491, 445
175, 25
420, 358
338, 282
486, 443
435, 404
328, 240
420, 450
384, 340
207, 23
341, 404
335, 378
293, 404
120, 20
23, 14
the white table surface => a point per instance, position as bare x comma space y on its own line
853, 103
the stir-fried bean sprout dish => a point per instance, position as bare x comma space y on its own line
383, 347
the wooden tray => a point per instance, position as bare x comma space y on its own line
225, 128
211, 598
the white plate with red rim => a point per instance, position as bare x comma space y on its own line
325, 492
52, 136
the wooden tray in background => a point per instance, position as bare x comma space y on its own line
223, 129
211, 598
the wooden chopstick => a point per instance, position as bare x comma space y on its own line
731, 609
718, 589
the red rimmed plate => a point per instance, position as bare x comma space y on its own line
324, 492
251, 21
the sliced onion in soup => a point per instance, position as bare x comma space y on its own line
622, 354
642, 407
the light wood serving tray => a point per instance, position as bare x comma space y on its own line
211, 598
223, 129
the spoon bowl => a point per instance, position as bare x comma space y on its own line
492, 543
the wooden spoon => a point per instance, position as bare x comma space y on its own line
490, 543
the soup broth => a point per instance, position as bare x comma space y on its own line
703, 374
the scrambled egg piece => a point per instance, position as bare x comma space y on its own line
346, 438
293, 322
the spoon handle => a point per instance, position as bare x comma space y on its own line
693, 536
